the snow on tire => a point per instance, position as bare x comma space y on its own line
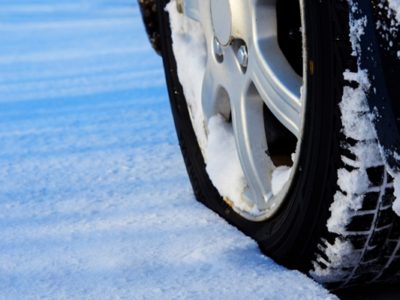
366, 248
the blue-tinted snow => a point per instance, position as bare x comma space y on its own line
94, 198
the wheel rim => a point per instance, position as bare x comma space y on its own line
245, 71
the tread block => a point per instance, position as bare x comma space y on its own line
388, 197
366, 277
389, 178
385, 217
378, 238
359, 241
372, 254
392, 269
395, 232
361, 223
388, 249
321, 264
347, 153
368, 267
376, 175
370, 201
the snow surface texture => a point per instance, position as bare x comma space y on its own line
95, 202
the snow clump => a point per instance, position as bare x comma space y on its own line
189, 46
395, 5
223, 165
215, 136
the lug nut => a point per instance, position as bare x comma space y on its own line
243, 56
217, 48
179, 6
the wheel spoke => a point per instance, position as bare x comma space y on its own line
209, 94
248, 124
219, 78
245, 71
277, 83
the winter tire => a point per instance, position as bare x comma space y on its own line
274, 76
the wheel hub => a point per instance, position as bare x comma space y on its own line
221, 16
245, 71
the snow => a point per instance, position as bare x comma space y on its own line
396, 203
95, 202
190, 46
340, 253
223, 165
356, 121
353, 185
395, 5
215, 136
280, 176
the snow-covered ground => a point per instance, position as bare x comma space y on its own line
94, 198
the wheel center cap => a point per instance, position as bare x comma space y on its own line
221, 16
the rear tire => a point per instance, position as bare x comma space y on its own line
297, 235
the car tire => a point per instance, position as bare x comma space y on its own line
297, 235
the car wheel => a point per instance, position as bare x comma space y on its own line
264, 114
